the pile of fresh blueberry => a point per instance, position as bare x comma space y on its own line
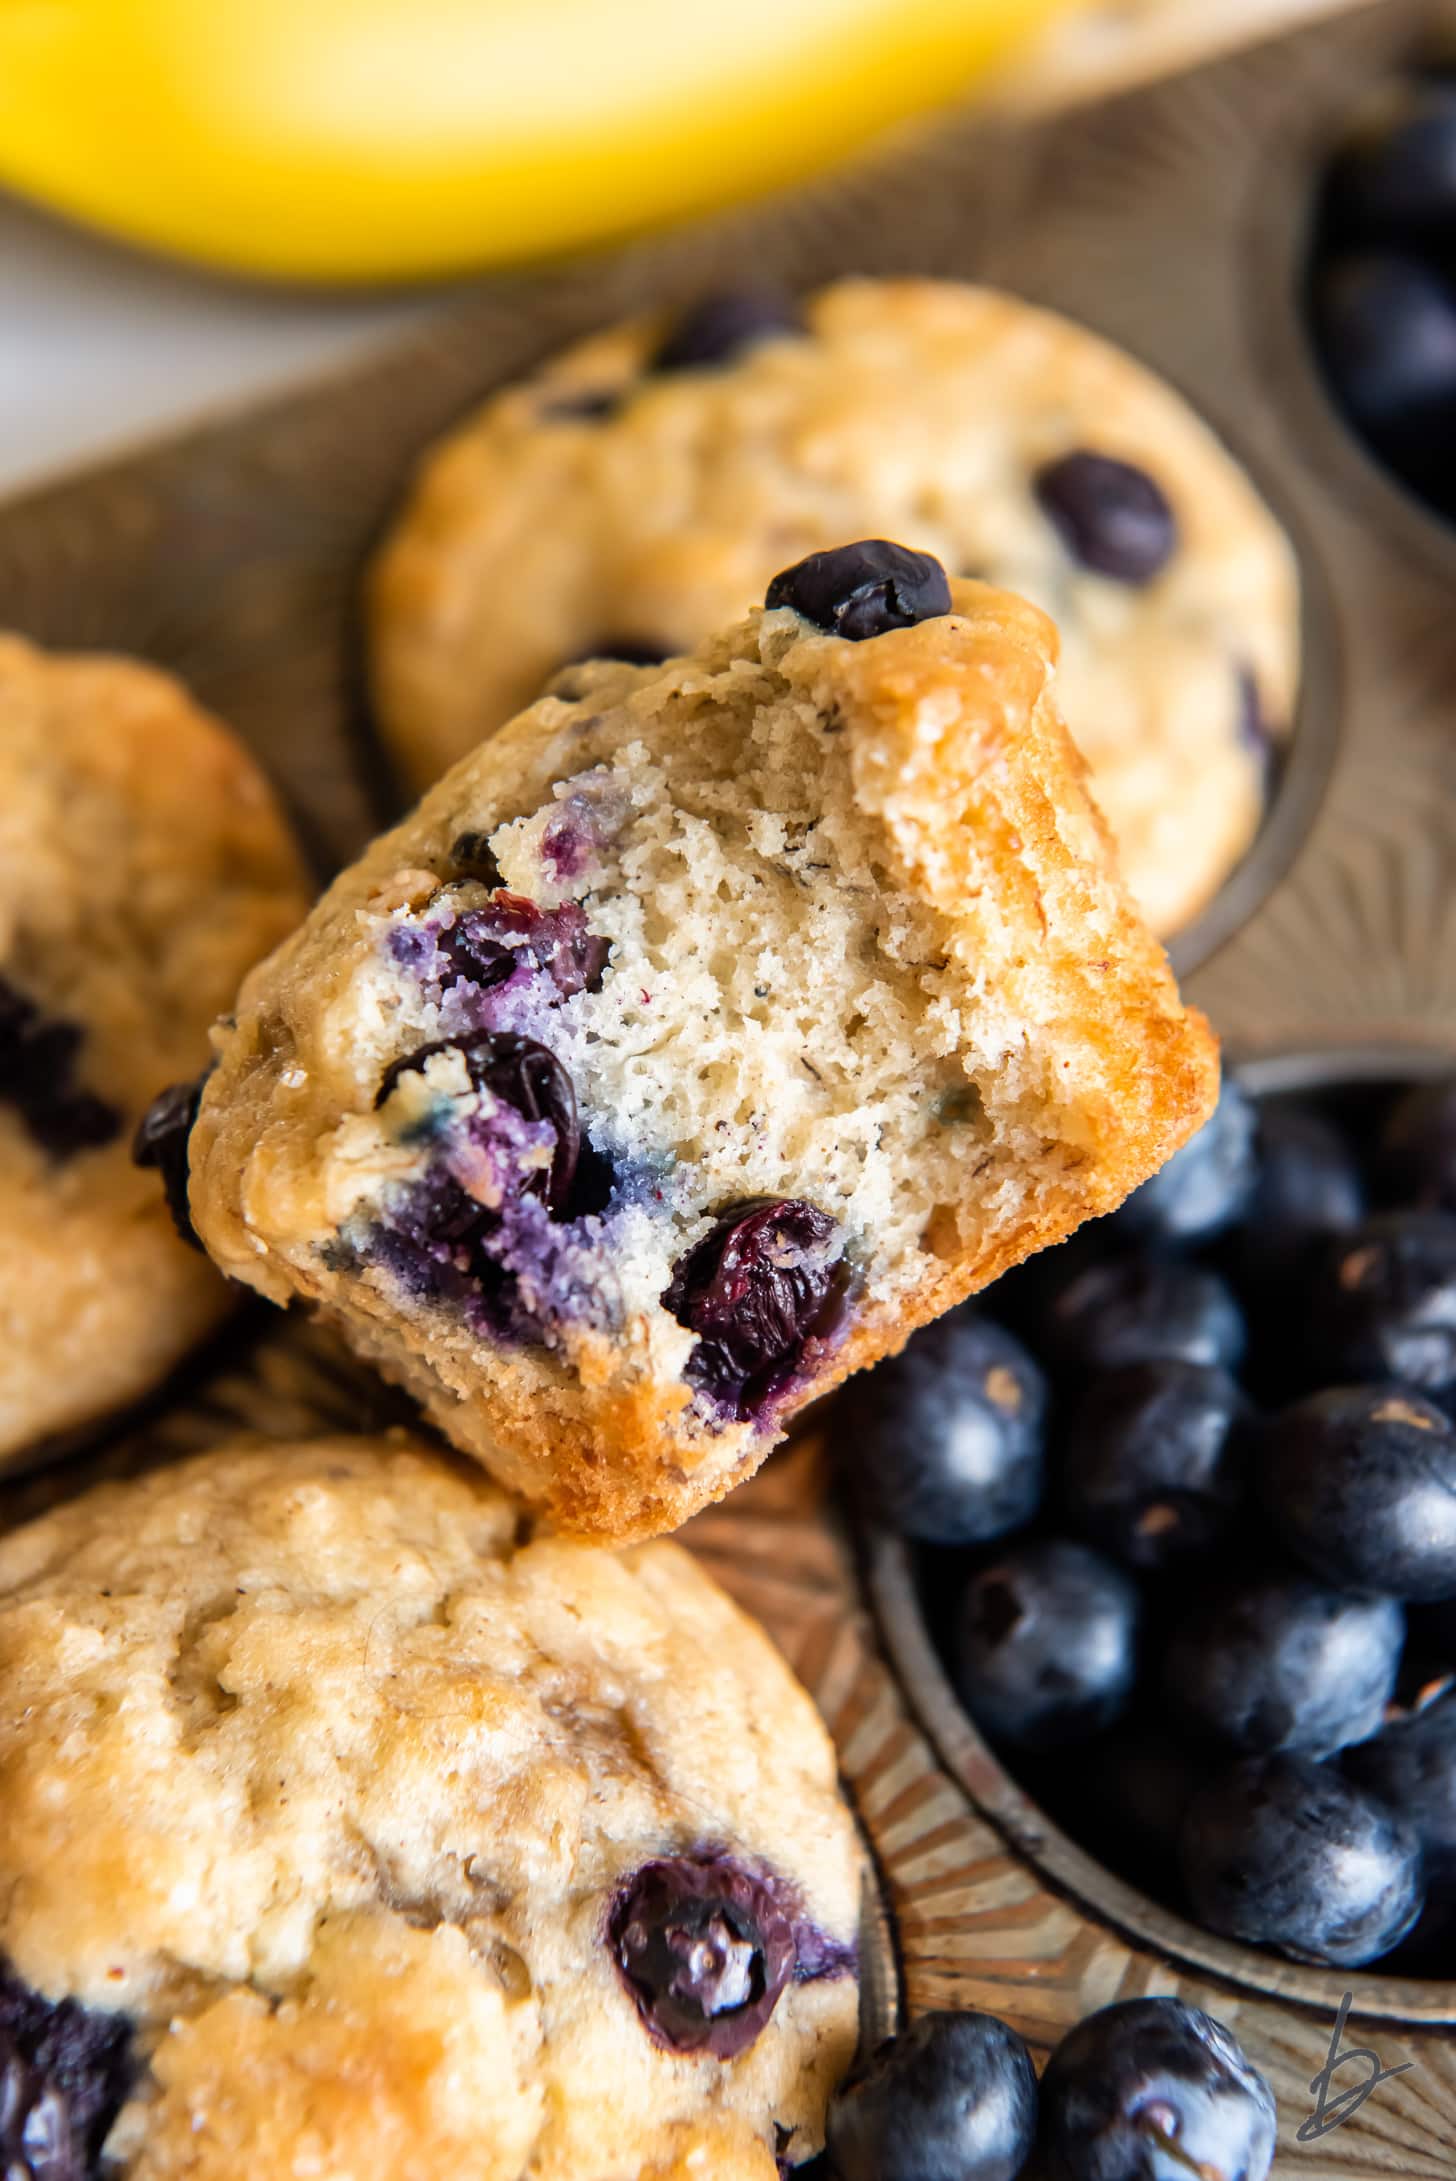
1149, 2090
1184, 1515
1383, 280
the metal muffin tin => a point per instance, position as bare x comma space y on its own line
1174, 221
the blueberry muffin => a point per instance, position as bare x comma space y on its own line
348, 1831
144, 866
699, 1036
640, 490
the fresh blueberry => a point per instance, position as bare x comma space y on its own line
1382, 1304
1307, 1183
524, 1076
953, 2095
1047, 1644
1433, 1633
1274, 1663
1395, 181
859, 591
1415, 1160
1124, 1796
1204, 1187
704, 1945
1285, 1852
65, 2071
1360, 1483
946, 1439
38, 1059
1387, 330
763, 1290
1308, 1187
1411, 1767
1112, 517
1429, 1947
161, 1141
1152, 1468
1131, 1310
718, 328
1154, 2090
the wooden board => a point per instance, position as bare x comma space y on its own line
1173, 221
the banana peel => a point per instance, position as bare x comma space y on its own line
368, 140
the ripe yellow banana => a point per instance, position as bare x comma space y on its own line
397, 139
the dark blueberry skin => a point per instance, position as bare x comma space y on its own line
766, 1287
1395, 182
1415, 1160
486, 947
1360, 1483
718, 328
1131, 1310
1382, 1304
1308, 1188
1387, 331
946, 1440
953, 2095
1433, 1633
704, 1945
1153, 1467
1154, 2090
1276, 1663
860, 591
161, 1141
1285, 1852
1308, 1182
1205, 1187
473, 857
1428, 1948
38, 1058
526, 1076
1046, 1647
1411, 1767
1112, 518
65, 2071
1124, 1796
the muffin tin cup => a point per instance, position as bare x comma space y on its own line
1174, 221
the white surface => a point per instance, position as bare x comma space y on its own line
100, 348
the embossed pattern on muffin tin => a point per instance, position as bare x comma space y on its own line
1173, 221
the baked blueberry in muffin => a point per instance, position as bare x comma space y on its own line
700, 1036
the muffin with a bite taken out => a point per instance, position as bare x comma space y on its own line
701, 1035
